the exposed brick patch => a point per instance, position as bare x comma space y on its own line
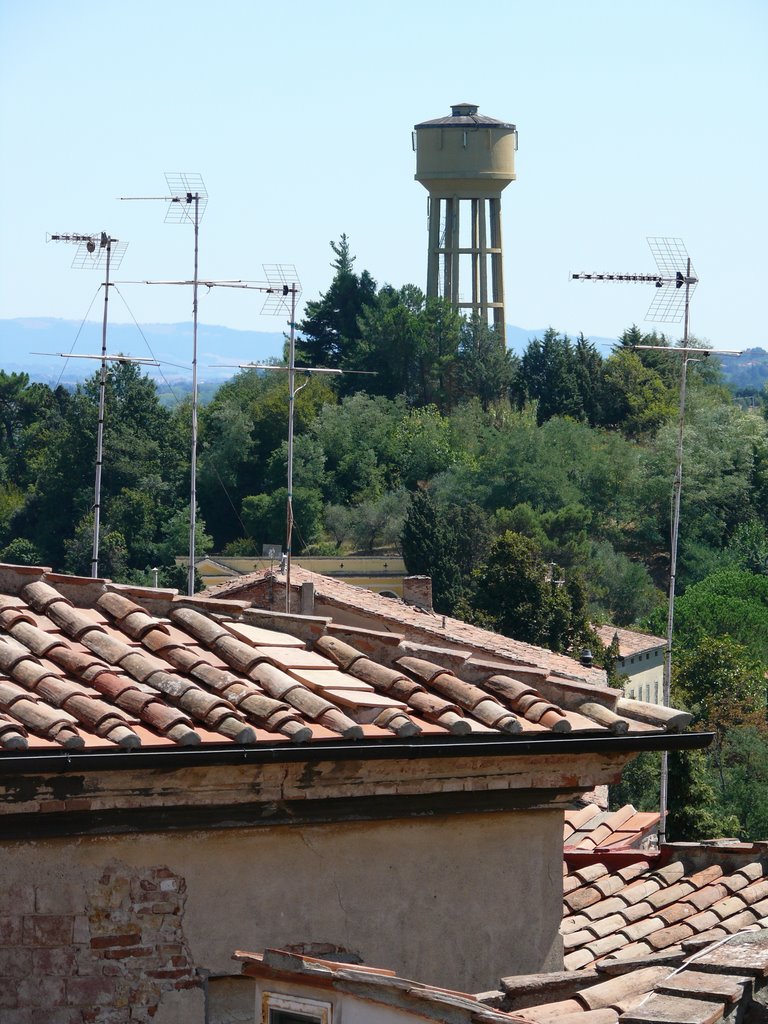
108, 958
137, 937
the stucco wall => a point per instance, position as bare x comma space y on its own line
645, 674
455, 901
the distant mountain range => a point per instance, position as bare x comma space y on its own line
220, 350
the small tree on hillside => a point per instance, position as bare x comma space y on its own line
330, 327
429, 549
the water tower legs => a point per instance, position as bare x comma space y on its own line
448, 275
497, 275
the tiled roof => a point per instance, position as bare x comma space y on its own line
701, 983
630, 641
85, 664
413, 1000
396, 615
662, 903
724, 980
589, 828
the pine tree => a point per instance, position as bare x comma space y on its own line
429, 549
330, 329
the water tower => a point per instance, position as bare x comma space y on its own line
465, 161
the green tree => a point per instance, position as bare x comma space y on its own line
528, 599
379, 519
621, 589
359, 441
145, 450
635, 398
424, 445
264, 516
548, 376
330, 332
748, 548
720, 682
429, 549
694, 810
20, 552
730, 604
240, 430
486, 368
744, 754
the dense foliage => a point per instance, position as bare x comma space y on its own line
535, 491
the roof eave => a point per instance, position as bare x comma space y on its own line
359, 750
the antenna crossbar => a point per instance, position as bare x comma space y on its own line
109, 358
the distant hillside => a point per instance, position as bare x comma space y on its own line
220, 349
171, 344
750, 370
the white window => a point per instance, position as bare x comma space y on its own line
283, 1009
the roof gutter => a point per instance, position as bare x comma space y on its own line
360, 750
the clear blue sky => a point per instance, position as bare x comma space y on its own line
635, 119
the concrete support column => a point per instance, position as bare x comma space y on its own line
497, 276
433, 256
455, 243
482, 243
475, 246
448, 250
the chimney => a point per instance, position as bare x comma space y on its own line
417, 590
308, 598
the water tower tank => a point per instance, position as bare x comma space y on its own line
465, 161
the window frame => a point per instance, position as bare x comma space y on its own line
319, 1012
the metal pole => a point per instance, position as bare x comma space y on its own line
100, 429
193, 458
291, 406
676, 492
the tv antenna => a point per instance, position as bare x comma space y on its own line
675, 281
281, 290
95, 251
187, 200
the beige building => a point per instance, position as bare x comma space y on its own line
180, 777
641, 660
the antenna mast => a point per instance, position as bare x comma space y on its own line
282, 281
187, 201
281, 286
675, 281
96, 251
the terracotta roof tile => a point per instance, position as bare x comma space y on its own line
260, 637
400, 616
681, 898
119, 666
